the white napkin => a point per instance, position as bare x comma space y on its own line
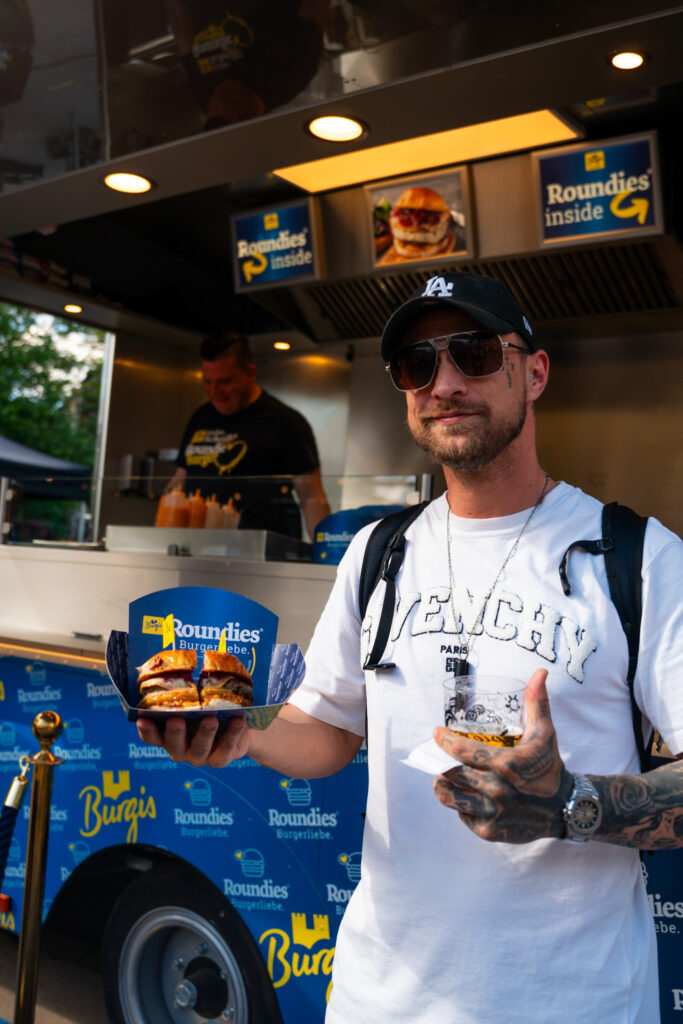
429, 757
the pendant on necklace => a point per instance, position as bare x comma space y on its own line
462, 666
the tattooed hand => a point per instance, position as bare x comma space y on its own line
509, 794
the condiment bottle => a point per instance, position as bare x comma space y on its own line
163, 517
178, 507
197, 509
231, 516
167, 504
214, 514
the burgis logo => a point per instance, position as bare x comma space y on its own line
103, 807
283, 962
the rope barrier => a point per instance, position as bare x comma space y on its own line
10, 811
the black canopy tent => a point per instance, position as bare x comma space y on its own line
41, 475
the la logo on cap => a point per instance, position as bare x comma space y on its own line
437, 286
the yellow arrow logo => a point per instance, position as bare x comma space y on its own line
638, 207
254, 266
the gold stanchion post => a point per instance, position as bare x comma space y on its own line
47, 726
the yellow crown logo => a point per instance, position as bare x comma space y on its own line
595, 161
302, 935
113, 789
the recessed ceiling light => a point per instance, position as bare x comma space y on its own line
132, 183
627, 60
459, 145
71, 307
282, 346
336, 129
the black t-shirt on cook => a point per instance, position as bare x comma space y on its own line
267, 439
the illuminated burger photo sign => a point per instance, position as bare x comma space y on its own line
421, 219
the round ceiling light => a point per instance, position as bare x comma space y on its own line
71, 307
336, 129
282, 346
628, 60
122, 181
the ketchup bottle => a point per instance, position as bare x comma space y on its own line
197, 509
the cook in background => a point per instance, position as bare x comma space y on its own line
243, 439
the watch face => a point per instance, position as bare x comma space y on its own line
585, 814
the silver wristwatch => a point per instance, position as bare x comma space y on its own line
582, 812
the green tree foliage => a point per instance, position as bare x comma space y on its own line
50, 373
49, 395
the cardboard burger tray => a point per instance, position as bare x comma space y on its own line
205, 617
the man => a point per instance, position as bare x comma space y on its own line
243, 59
243, 432
493, 913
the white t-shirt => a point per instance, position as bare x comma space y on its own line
444, 927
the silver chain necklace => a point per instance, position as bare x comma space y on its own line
463, 666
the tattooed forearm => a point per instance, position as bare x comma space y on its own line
643, 811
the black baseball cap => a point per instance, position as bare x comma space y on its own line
490, 302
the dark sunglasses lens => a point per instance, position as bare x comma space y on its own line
477, 355
412, 368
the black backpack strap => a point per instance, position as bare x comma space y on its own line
382, 560
623, 562
623, 533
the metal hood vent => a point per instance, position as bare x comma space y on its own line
572, 284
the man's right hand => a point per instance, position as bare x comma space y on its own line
207, 747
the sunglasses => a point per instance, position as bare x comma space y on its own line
474, 353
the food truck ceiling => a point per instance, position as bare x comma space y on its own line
167, 256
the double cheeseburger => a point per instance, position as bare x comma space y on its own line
165, 682
419, 224
224, 682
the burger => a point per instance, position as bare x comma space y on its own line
419, 224
224, 682
166, 683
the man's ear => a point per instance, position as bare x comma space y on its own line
538, 370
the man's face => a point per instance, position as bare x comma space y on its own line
465, 422
228, 387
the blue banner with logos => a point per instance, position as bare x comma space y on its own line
275, 246
284, 852
598, 189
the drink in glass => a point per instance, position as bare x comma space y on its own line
489, 709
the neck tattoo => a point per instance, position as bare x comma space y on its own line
463, 666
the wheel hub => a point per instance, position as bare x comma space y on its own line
203, 989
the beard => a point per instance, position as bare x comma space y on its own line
466, 445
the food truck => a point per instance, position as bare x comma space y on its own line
217, 895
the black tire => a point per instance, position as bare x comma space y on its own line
175, 950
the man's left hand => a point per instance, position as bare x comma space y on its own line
509, 794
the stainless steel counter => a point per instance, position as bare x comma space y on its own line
71, 599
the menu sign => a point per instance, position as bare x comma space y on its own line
275, 246
423, 219
598, 189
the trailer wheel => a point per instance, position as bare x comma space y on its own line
175, 951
